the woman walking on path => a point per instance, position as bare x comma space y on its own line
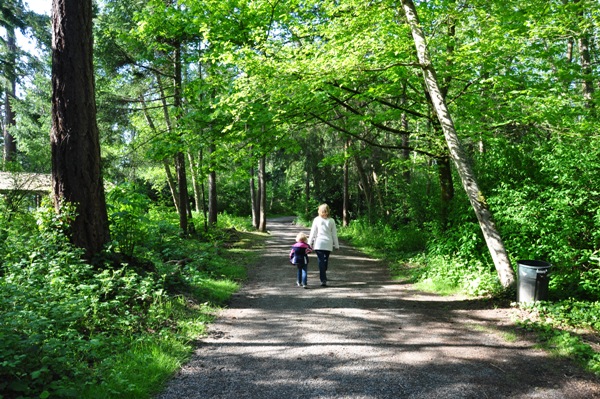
323, 238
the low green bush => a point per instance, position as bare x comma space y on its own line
73, 329
422, 258
562, 341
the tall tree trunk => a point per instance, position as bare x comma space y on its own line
570, 42
405, 154
180, 157
254, 195
259, 201
262, 188
163, 99
212, 194
190, 218
346, 194
405, 139
212, 198
253, 199
76, 172
170, 179
377, 192
444, 167
203, 191
183, 194
172, 183
447, 187
307, 191
195, 180
365, 185
10, 146
490, 233
586, 65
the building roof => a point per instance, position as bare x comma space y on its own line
27, 182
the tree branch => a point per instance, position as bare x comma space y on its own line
381, 101
371, 142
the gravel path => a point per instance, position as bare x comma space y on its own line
364, 336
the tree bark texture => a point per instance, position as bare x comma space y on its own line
212, 191
447, 187
405, 154
76, 171
346, 192
253, 199
364, 185
10, 146
203, 190
184, 203
212, 198
307, 191
262, 189
182, 190
172, 183
586, 69
490, 233
194, 171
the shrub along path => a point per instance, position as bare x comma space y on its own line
364, 336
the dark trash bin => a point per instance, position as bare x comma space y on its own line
534, 276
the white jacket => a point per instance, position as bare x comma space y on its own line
323, 234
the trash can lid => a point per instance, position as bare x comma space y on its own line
534, 263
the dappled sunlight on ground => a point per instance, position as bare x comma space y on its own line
363, 336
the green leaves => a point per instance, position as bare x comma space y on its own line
127, 209
65, 325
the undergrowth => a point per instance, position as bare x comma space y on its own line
563, 335
409, 258
438, 265
118, 327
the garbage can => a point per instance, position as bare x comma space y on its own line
533, 280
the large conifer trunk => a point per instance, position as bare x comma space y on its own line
76, 173
484, 216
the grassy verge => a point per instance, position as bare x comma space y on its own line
146, 365
566, 328
118, 328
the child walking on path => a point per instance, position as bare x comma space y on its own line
299, 257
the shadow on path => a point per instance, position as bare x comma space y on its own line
364, 336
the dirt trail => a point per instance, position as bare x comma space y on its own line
363, 336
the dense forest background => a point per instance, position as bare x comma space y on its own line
208, 111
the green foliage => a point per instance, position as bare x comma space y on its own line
564, 343
229, 221
547, 210
382, 238
570, 313
432, 263
127, 208
71, 329
34, 123
451, 275
140, 370
559, 324
337, 93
